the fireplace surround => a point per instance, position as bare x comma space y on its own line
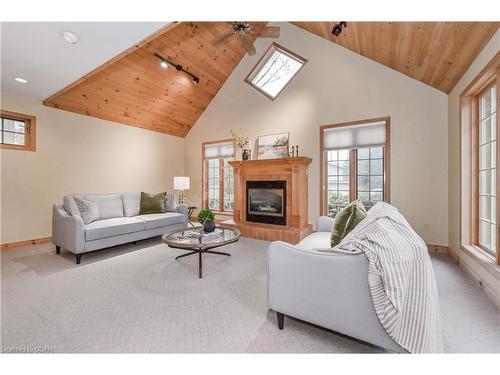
284, 184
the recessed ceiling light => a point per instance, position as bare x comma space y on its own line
20, 80
70, 37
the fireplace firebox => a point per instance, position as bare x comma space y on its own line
266, 202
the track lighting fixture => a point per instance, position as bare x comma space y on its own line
164, 63
337, 29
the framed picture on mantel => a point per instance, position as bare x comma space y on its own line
273, 146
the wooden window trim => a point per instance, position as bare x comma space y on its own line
280, 48
352, 168
469, 148
204, 174
30, 135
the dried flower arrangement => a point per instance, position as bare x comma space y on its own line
240, 142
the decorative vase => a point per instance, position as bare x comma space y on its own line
209, 226
245, 155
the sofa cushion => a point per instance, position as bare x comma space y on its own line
131, 204
346, 220
109, 205
162, 220
152, 203
316, 240
88, 210
112, 227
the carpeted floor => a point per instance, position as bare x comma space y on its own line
137, 298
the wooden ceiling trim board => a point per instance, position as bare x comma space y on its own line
134, 90
435, 53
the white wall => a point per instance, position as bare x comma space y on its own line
337, 85
77, 154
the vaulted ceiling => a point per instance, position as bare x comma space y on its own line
133, 89
436, 53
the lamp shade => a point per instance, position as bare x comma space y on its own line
181, 183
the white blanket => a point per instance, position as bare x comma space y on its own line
401, 278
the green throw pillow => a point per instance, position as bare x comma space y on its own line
152, 203
346, 220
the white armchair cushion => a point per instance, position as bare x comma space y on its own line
316, 240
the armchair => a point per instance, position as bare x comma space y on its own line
310, 282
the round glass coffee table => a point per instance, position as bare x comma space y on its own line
196, 241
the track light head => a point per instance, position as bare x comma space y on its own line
163, 64
196, 80
179, 68
337, 29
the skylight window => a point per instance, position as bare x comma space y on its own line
275, 70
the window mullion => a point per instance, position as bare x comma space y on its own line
353, 189
221, 184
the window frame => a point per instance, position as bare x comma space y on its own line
204, 169
30, 135
469, 171
323, 190
261, 61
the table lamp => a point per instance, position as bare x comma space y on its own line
181, 183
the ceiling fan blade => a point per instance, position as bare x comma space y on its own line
223, 39
270, 32
248, 45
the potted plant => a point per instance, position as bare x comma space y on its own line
206, 218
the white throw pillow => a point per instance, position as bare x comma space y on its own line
88, 210
70, 205
170, 202
131, 204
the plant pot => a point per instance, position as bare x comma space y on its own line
209, 226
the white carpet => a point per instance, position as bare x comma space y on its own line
137, 298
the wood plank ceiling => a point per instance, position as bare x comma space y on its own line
133, 89
436, 53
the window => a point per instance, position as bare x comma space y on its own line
275, 70
354, 164
18, 131
480, 157
218, 175
487, 169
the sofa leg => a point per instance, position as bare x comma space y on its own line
281, 320
78, 258
58, 249
135, 242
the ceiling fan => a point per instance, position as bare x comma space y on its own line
243, 30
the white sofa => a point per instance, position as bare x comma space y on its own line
325, 288
119, 222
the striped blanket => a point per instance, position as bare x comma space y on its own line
401, 278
